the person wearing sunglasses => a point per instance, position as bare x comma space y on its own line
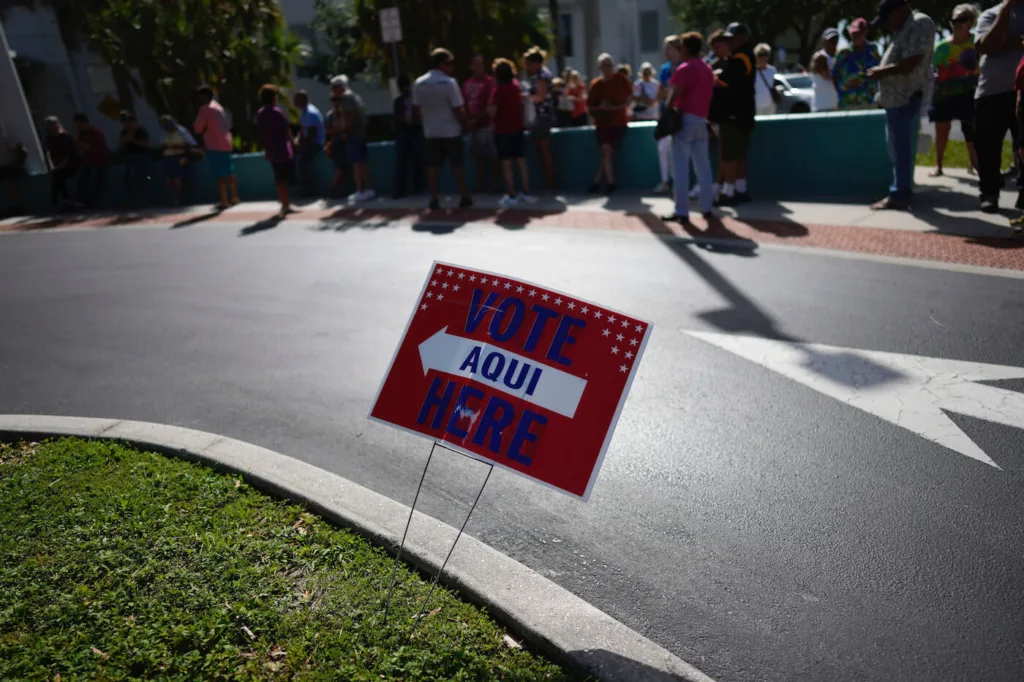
849, 72
956, 78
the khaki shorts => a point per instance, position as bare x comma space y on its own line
735, 139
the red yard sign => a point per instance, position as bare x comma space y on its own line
515, 374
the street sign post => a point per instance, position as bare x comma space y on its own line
391, 32
514, 374
390, 25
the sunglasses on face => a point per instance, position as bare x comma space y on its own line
962, 20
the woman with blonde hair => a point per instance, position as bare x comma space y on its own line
538, 89
764, 81
576, 93
645, 94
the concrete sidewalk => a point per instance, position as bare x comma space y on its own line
947, 205
945, 224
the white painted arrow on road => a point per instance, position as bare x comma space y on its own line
513, 374
908, 390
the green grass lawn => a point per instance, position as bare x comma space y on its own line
956, 155
118, 564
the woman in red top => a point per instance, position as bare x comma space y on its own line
506, 111
608, 100
576, 93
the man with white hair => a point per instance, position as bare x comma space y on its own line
353, 132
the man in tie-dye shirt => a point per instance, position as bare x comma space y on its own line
851, 64
956, 77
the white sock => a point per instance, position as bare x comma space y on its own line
716, 189
728, 189
741, 185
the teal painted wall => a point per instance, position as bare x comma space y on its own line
839, 156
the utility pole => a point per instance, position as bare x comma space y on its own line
556, 32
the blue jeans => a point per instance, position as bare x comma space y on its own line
691, 143
306, 161
136, 178
900, 124
90, 184
408, 157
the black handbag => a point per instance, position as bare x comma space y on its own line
669, 123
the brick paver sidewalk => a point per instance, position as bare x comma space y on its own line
996, 252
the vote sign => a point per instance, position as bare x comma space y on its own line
512, 373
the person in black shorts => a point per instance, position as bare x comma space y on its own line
506, 111
438, 99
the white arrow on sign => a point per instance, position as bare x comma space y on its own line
540, 384
908, 390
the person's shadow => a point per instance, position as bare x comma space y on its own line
265, 224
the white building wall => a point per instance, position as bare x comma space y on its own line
618, 31
62, 83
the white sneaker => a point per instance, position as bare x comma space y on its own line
367, 195
528, 198
661, 188
507, 201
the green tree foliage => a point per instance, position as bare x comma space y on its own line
769, 20
495, 28
339, 41
164, 49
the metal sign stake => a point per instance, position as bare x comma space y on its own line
394, 572
433, 583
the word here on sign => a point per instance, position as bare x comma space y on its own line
512, 373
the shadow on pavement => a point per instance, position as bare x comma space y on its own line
265, 224
195, 220
442, 221
745, 317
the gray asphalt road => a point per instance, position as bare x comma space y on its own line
757, 528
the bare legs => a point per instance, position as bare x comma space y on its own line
606, 169
941, 140
284, 195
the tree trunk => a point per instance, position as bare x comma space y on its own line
124, 88
556, 33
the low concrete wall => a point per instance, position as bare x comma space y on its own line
838, 155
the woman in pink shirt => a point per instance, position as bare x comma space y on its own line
212, 124
690, 89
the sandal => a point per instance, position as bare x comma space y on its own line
937, 173
676, 218
889, 204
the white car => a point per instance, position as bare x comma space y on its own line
797, 91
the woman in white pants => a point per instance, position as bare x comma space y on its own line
672, 53
690, 90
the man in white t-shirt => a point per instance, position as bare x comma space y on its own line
439, 100
826, 98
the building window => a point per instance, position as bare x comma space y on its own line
650, 35
565, 33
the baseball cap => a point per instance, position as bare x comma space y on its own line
885, 8
735, 29
830, 34
858, 24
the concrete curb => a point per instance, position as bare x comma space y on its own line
554, 621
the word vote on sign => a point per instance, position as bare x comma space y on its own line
518, 375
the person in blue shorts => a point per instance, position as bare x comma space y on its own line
672, 52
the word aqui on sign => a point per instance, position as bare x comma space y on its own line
512, 373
